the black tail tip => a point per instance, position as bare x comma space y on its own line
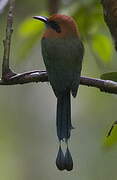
64, 162
68, 161
60, 160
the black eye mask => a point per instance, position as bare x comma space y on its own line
54, 25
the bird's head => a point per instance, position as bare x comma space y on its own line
59, 26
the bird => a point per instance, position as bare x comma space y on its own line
62, 51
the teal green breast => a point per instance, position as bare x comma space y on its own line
63, 61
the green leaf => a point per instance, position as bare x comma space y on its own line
102, 46
30, 27
88, 17
109, 76
29, 32
112, 139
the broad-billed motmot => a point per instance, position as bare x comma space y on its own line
62, 52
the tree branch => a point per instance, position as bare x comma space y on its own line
41, 76
7, 41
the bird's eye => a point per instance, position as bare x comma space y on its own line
54, 25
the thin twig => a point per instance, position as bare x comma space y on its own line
7, 41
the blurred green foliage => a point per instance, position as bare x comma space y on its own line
112, 139
110, 76
29, 30
101, 44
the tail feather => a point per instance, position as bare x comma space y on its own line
63, 120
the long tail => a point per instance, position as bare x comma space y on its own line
63, 119
64, 127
